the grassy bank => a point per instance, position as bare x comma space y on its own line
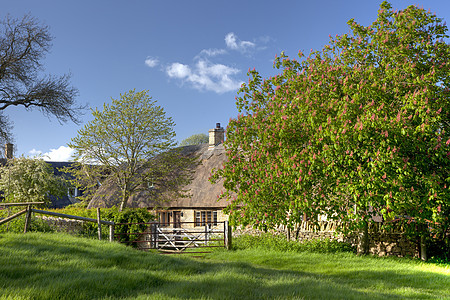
57, 266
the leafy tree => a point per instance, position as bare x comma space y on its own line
26, 180
195, 139
130, 139
87, 178
358, 129
23, 45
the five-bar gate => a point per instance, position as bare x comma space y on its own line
179, 237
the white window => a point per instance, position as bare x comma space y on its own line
203, 217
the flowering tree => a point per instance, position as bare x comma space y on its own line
358, 129
30, 180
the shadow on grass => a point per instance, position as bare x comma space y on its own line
49, 268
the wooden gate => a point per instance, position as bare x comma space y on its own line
178, 237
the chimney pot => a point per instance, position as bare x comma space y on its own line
9, 150
216, 136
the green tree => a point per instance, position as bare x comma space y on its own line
358, 129
27, 180
23, 45
125, 139
195, 139
87, 178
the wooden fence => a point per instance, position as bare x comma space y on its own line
29, 210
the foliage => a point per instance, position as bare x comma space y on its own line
438, 249
130, 222
87, 178
23, 45
195, 139
127, 232
356, 130
30, 180
272, 242
123, 138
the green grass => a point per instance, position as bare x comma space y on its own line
58, 266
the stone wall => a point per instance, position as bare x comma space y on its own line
381, 242
391, 242
63, 225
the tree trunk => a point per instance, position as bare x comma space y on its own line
363, 247
423, 248
423, 231
123, 203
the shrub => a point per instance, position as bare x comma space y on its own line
269, 241
438, 250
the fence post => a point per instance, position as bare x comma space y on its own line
27, 219
99, 224
227, 235
154, 235
111, 233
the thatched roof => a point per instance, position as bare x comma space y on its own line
202, 193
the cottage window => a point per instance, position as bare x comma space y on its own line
72, 192
164, 218
203, 217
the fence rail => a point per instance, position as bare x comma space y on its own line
29, 210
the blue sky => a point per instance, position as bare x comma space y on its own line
190, 55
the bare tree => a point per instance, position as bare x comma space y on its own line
23, 45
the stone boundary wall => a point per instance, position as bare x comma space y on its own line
63, 225
381, 242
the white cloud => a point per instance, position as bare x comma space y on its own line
212, 52
61, 154
35, 152
233, 42
178, 70
151, 62
206, 76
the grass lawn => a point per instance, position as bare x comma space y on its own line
58, 266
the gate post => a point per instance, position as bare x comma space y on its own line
227, 234
206, 234
111, 233
99, 224
154, 235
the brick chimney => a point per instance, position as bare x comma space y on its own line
216, 136
9, 151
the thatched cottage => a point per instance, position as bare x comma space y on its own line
200, 207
